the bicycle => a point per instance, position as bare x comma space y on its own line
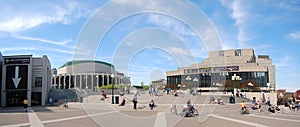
244, 111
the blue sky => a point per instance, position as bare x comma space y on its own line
53, 28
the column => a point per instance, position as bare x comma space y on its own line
70, 78
92, 83
59, 81
107, 77
97, 80
54, 82
86, 80
80, 86
65, 81
102, 79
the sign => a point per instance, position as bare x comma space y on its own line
211, 69
17, 60
16, 77
16, 80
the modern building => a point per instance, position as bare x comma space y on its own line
86, 74
24, 76
1, 60
226, 70
159, 84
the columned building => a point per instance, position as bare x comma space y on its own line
24, 76
226, 69
86, 74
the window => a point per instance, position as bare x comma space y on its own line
238, 52
37, 82
221, 53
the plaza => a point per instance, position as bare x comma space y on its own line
95, 113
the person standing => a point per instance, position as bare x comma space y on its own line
25, 103
134, 100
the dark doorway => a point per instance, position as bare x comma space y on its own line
15, 98
36, 98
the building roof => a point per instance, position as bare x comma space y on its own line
69, 63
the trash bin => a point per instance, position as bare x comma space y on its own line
81, 99
117, 99
231, 100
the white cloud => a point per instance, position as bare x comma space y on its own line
240, 13
294, 35
44, 40
31, 15
36, 49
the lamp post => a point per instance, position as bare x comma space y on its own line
195, 80
188, 78
268, 85
235, 78
250, 85
112, 89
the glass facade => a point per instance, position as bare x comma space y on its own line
259, 79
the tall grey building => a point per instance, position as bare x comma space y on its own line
24, 76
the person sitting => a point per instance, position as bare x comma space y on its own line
123, 102
151, 104
271, 109
243, 105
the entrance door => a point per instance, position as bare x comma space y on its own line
15, 98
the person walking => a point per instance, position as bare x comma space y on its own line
134, 100
25, 103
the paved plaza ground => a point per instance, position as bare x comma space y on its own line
95, 113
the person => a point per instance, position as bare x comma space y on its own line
268, 102
212, 100
25, 102
123, 102
259, 106
271, 109
189, 104
65, 103
134, 100
151, 104
103, 96
243, 105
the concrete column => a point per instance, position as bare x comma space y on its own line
64, 81
92, 82
86, 80
59, 81
3, 94
70, 77
29, 83
97, 80
80, 87
107, 76
54, 82
102, 79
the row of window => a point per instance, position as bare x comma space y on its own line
206, 80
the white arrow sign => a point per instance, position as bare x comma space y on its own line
16, 80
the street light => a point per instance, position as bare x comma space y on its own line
235, 78
250, 85
268, 85
195, 80
188, 78
112, 89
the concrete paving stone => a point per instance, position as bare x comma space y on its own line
97, 113
59, 115
82, 122
12, 118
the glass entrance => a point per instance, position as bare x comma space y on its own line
15, 98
